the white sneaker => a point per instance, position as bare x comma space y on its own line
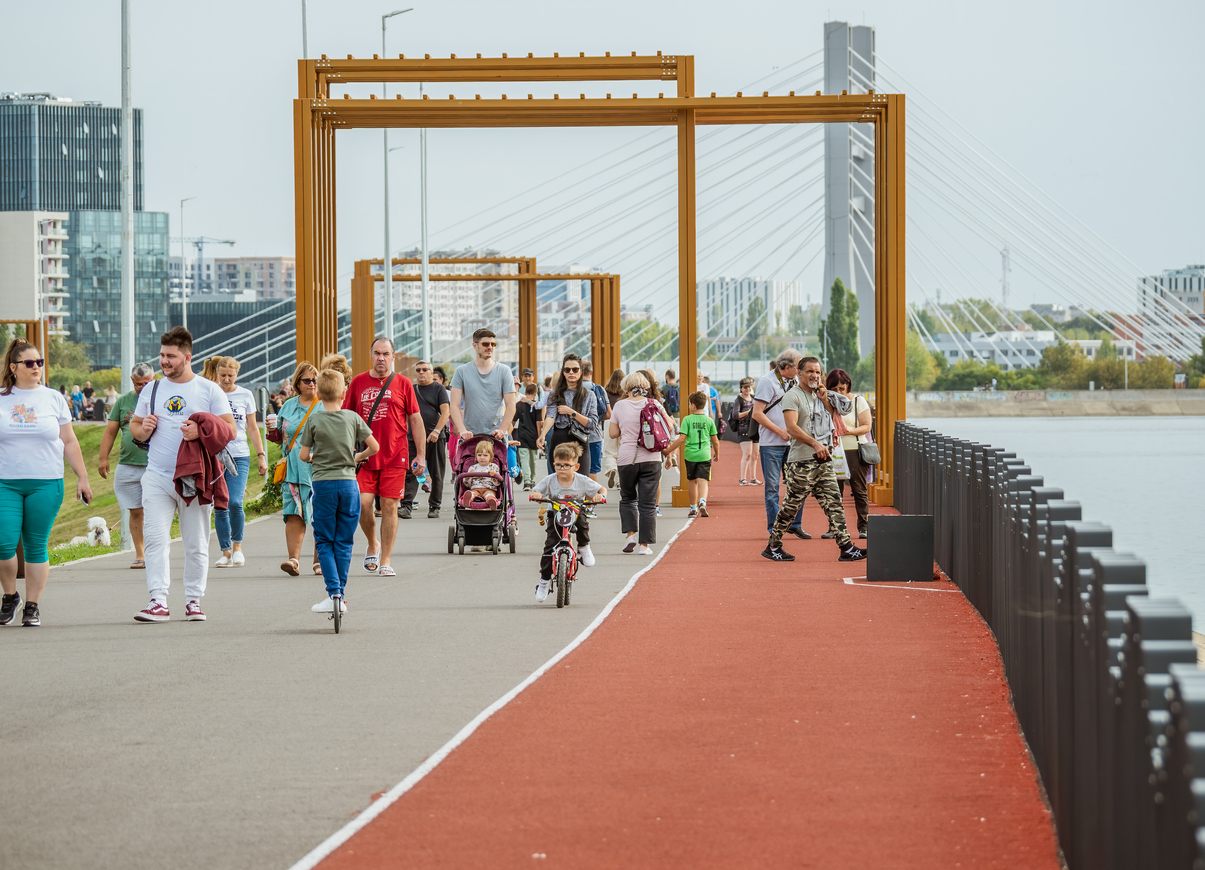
630, 545
224, 562
542, 590
587, 556
327, 605
237, 559
644, 550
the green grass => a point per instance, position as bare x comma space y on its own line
73, 515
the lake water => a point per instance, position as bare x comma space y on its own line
1142, 476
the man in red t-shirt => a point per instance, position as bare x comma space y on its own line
384, 474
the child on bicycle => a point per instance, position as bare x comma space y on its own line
566, 483
698, 433
329, 443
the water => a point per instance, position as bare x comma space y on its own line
1142, 476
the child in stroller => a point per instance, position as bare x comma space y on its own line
481, 491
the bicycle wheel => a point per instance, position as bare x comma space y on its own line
568, 589
337, 613
561, 576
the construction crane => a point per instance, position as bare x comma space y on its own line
199, 242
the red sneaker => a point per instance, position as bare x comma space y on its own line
193, 611
153, 612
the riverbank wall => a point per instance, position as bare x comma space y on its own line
1057, 403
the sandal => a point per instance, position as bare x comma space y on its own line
372, 561
290, 567
317, 566
138, 563
386, 571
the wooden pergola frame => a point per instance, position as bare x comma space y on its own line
317, 116
604, 305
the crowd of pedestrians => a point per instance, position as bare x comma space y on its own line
358, 448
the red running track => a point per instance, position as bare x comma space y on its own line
736, 712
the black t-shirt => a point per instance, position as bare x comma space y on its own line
430, 398
527, 418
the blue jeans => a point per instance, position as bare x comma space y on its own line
772, 460
336, 516
229, 523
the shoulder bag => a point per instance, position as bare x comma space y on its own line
867, 449
372, 412
282, 465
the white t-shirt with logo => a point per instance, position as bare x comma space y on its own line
242, 406
175, 403
30, 446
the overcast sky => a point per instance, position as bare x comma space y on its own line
1097, 102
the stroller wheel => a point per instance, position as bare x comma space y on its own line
460, 543
511, 537
451, 538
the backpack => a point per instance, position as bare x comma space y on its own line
671, 399
653, 433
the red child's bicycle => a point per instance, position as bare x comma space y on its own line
564, 554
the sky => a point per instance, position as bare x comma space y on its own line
1095, 102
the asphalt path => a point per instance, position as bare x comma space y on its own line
246, 740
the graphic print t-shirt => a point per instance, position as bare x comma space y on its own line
175, 403
30, 446
242, 406
391, 422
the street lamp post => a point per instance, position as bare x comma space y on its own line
183, 277
388, 260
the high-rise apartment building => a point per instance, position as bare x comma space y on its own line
33, 268
268, 277
724, 304
64, 156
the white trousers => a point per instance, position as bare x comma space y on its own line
160, 503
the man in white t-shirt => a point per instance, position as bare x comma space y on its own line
775, 441
162, 416
486, 389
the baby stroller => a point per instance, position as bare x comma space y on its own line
480, 526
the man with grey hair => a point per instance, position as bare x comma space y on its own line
131, 461
775, 441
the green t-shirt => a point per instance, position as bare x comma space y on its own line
331, 437
122, 410
698, 429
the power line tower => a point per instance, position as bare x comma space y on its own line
849, 58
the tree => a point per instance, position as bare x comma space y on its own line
1195, 367
969, 374
646, 339
65, 354
755, 321
920, 367
1154, 373
1064, 367
1107, 370
796, 320
839, 332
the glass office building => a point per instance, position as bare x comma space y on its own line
93, 249
63, 155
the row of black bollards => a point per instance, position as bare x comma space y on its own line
1104, 677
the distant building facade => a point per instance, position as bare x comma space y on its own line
33, 268
1016, 349
724, 304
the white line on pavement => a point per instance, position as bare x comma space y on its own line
849, 581
341, 836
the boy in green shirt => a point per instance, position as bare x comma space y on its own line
702, 442
329, 443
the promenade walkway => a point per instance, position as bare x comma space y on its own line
736, 713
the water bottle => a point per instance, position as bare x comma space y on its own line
421, 476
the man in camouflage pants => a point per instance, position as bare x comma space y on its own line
807, 412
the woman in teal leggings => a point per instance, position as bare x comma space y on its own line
35, 435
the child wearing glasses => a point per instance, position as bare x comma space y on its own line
566, 483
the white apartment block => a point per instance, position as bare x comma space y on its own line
724, 304
33, 267
1017, 349
266, 278
1186, 285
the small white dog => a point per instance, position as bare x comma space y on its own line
98, 534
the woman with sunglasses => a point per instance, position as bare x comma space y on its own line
295, 490
571, 411
35, 435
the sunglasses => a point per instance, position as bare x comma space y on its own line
33, 363
422, 369
570, 371
488, 343
309, 380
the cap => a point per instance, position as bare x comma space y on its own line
527, 372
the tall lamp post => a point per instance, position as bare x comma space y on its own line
183, 276
128, 335
388, 260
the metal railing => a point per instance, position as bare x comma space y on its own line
1103, 675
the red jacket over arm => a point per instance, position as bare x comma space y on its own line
199, 460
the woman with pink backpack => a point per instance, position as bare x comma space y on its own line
643, 428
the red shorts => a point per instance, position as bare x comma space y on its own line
385, 482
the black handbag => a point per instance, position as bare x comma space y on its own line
146, 443
869, 451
